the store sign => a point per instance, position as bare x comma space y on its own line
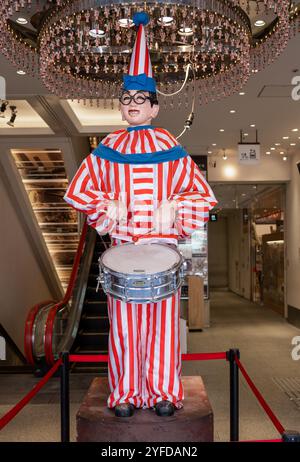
249, 153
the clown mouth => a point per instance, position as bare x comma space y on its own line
133, 112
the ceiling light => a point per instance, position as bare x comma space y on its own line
232, 111
245, 134
221, 130
277, 144
165, 20
21, 72
22, 21
259, 23
285, 137
284, 158
224, 156
242, 93
124, 22
294, 129
281, 152
214, 144
185, 31
272, 149
209, 152
292, 144
268, 152
252, 125
97, 33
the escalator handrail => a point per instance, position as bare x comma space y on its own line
29, 323
61, 304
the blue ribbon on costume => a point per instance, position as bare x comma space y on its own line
104, 152
139, 82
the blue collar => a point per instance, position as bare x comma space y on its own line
104, 152
139, 127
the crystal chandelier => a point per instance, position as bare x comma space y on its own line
83, 47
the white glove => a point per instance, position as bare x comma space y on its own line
117, 210
164, 216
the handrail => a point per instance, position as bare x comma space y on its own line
29, 323
52, 313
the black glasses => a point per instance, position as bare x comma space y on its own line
138, 98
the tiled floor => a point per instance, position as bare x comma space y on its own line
264, 340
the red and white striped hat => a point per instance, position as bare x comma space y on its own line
140, 76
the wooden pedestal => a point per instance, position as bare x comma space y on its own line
194, 422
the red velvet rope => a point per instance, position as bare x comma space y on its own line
185, 357
260, 398
19, 406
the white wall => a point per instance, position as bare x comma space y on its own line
292, 229
22, 283
271, 168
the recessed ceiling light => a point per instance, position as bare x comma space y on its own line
252, 125
284, 158
185, 31
165, 20
97, 33
21, 72
232, 111
268, 152
292, 144
242, 93
221, 130
124, 22
272, 149
281, 152
209, 152
214, 144
277, 144
294, 129
22, 21
245, 134
259, 23
285, 137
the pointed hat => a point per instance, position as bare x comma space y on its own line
140, 69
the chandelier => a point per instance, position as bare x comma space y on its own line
81, 48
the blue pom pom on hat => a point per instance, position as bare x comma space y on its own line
140, 69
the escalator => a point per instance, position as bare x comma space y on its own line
92, 337
79, 323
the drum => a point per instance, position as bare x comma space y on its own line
142, 273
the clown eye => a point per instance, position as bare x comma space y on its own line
125, 99
140, 99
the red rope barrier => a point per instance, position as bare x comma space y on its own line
185, 357
19, 406
260, 398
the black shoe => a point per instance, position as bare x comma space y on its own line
164, 408
124, 410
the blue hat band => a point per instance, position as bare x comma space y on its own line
139, 82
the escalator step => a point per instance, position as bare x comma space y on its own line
91, 293
95, 307
94, 323
93, 339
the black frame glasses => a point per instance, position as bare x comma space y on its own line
138, 97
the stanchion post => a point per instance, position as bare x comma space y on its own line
291, 436
234, 393
65, 398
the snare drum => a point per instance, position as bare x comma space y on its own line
142, 273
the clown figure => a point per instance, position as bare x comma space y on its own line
142, 187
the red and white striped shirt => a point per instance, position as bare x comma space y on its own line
141, 187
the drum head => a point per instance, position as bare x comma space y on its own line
140, 259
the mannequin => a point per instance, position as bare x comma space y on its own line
139, 185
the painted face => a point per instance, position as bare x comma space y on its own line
137, 111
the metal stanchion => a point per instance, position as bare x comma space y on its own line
234, 394
65, 398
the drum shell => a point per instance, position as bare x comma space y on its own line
141, 288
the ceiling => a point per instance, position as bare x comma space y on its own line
267, 103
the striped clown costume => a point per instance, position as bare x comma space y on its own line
142, 166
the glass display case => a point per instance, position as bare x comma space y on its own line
194, 250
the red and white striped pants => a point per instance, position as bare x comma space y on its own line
144, 365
